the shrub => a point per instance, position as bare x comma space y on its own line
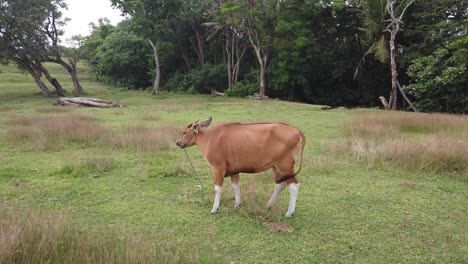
200, 80
243, 89
439, 83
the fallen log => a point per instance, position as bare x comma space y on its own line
216, 93
89, 102
257, 96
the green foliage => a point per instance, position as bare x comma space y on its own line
91, 44
22, 39
439, 82
201, 80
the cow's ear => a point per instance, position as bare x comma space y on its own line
191, 124
206, 123
196, 128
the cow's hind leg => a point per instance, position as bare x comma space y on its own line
278, 188
293, 186
236, 187
285, 170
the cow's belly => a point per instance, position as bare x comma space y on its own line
247, 166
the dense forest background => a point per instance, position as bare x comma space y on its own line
315, 51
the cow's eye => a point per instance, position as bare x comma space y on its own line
185, 133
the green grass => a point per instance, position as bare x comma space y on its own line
347, 211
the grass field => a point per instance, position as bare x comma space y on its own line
114, 180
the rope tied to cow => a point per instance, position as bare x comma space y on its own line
198, 177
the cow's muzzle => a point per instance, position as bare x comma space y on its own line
181, 145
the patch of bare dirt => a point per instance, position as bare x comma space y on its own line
277, 227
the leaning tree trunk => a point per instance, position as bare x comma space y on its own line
157, 70
76, 83
73, 73
53, 81
37, 78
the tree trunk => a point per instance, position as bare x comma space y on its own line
73, 73
394, 27
182, 52
157, 70
406, 98
78, 89
229, 59
393, 67
53, 81
262, 61
37, 78
200, 46
262, 57
262, 78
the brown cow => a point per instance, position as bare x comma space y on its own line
236, 148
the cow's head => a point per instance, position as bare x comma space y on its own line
189, 136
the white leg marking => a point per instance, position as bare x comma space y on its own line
218, 190
278, 188
293, 190
236, 188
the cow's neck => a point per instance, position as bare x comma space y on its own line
202, 141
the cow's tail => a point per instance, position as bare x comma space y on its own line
303, 141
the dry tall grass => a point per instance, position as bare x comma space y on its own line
425, 142
53, 109
55, 131
151, 116
50, 237
140, 138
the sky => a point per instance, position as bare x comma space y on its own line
82, 12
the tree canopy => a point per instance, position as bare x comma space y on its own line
339, 53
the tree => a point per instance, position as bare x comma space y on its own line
52, 29
258, 19
383, 16
393, 27
235, 41
91, 43
152, 17
23, 42
194, 15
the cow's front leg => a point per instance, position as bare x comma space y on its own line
236, 187
218, 180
